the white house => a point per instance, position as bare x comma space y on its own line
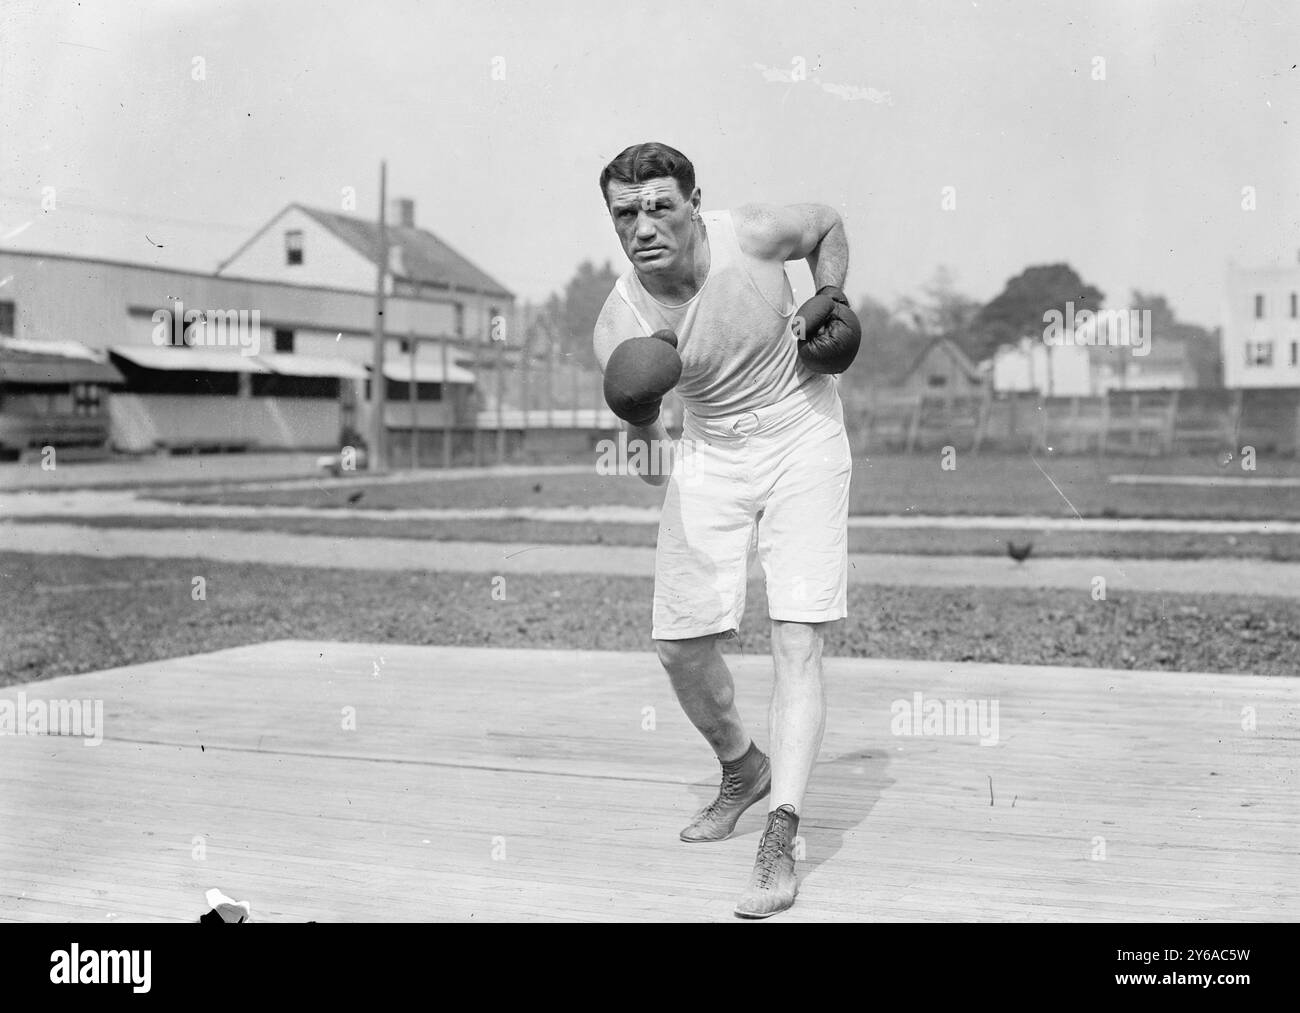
325, 249
1053, 370
1261, 327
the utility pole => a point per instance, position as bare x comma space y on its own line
378, 450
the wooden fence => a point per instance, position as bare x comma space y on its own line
1121, 422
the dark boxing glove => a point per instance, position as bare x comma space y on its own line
639, 373
828, 330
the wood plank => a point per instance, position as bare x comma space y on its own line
521, 785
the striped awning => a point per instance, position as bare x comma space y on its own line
54, 370
399, 371
182, 359
293, 364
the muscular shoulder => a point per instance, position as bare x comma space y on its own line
776, 232
763, 230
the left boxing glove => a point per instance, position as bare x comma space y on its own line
638, 374
828, 330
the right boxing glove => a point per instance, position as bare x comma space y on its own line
638, 374
828, 330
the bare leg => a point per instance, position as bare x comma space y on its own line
797, 717
705, 690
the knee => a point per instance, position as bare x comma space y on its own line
796, 646
681, 656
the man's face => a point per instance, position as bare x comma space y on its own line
653, 222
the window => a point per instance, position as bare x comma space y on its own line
936, 380
283, 340
6, 319
1259, 353
293, 247
325, 388
1295, 353
400, 390
1293, 305
1259, 307
85, 399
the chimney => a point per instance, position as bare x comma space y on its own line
403, 212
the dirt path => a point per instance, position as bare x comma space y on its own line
115, 503
1216, 576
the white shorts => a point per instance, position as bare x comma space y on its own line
775, 479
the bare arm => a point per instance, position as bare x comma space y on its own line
614, 326
812, 232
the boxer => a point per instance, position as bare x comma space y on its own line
706, 309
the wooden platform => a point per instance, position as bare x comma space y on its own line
504, 785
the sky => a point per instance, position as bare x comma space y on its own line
1148, 144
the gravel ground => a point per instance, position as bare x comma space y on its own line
69, 614
934, 542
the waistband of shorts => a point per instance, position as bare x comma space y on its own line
819, 391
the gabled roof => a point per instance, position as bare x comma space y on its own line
954, 350
414, 254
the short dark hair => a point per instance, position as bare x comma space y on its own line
650, 160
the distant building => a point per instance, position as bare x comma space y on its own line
1168, 365
53, 394
1054, 371
325, 249
303, 287
943, 369
1092, 362
1261, 327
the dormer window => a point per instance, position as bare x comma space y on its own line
293, 247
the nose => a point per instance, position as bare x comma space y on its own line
645, 226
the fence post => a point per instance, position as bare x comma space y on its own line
525, 392
577, 396
550, 378
415, 431
501, 394
448, 409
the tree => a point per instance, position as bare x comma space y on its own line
1019, 309
890, 343
584, 296
942, 311
1204, 350
565, 323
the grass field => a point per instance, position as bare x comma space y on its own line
63, 614
889, 484
66, 614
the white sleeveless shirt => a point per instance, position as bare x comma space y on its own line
738, 351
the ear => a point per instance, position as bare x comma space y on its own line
695, 199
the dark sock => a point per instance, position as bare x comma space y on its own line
742, 760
